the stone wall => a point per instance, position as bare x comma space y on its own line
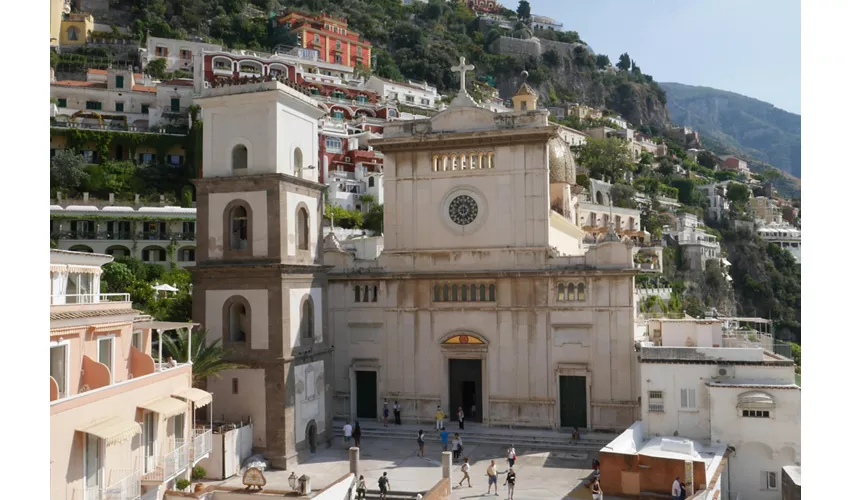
441, 491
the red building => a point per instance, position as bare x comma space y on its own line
485, 6
329, 36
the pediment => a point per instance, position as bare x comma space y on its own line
463, 119
463, 338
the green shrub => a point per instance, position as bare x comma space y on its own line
182, 484
199, 473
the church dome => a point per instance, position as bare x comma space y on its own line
562, 163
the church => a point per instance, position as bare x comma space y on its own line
485, 294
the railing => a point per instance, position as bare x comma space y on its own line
153, 235
122, 235
129, 487
171, 464
201, 443
166, 130
89, 298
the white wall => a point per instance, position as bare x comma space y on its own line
310, 388
249, 402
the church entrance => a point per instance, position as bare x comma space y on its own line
367, 394
465, 388
573, 401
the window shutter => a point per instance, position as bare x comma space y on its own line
684, 396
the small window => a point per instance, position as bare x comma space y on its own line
436, 293
234, 386
492, 293
561, 293
119, 106
137, 339
656, 401
239, 228
62, 103
240, 157
338, 43
307, 319
59, 367
375, 293
481, 295
119, 82
473, 293
454, 293
446, 293
175, 105
756, 413
580, 291
357, 293
104, 355
768, 481
463, 293
145, 108
371, 182
571, 292
688, 399
303, 229
315, 38
73, 35
185, 54
94, 105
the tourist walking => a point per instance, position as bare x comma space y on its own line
677, 489
456, 448
444, 437
439, 416
397, 413
576, 435
596, 489
346, 432
420, 440
511, 456
386, 414
384, 485
356, 434
492, 478
465, 469
361, 488
509, 481
460, 417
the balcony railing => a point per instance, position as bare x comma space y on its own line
171, 464
170, 110
201, 443
89, 298
153, 235
122, 235
128, 487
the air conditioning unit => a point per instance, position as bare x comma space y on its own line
725, 372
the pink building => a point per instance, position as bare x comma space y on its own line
122, 426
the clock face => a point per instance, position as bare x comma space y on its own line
463, 210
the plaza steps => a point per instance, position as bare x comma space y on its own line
522, 439
393, 495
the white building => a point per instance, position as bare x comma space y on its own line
786, 236
156, 235
345, 189
546, 23
413, 94
697, 244
718, 204
618, 121
572, 136
179, 54
713, 384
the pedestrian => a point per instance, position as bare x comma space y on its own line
595, 466
384, 485
473, 412
684, 493
361, 488
509, 481
492, 477
677, 489
386, 414
444, 437
456, 447
420, 440
397, 413
576, 435
460, 416
511, 456
439, 416
459, 446
346, 432
465, 469
596, 489
356, 434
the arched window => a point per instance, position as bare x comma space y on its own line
632, 223
581, 291
599, 197
446, 293
435, 163
238, 321
307, 319
463, 295
303, 229
490, 157
366, 293
604, 220
561, 295
73, 34
436, 293
333, 144
462, 161
240, 157
481, 160
592, 219
617, 221
571, 292
473, 161
298, 162
481, 295
375, 293
445, 162
492, 293
454, 293
357, 293
454, 161
238, 228
371, 182
473, 292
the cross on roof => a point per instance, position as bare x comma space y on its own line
462, 68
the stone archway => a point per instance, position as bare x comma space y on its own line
312, 436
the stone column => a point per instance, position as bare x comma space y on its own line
354, 461
447, 465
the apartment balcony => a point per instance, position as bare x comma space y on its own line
175, 111
89, 298
154, 236
201, 444
127, 486
171, 464
223, 70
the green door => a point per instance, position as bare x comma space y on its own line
367, 394
175, 105
573, 392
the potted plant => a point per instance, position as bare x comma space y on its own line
182, 484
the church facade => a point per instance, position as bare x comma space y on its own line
484, 294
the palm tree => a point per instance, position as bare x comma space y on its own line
207, 360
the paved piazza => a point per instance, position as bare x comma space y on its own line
541, 474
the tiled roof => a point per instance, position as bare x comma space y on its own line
143, 88
92, 313
77, 83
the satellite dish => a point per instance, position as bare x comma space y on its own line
66, 9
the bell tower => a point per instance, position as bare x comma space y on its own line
260, 284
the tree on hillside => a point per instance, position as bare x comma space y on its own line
706, 159
67, 171
602, 61
737, 193
156, 68
552, 58
625, 62
605, 159
622, 195
523, 11
771, 174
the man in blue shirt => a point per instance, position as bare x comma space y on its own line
444, 437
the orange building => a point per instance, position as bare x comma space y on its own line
329, 36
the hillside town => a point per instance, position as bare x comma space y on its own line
261, 258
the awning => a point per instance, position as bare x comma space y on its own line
166, 407
113, 430
725, 262
197, 396
164, 288
163, 325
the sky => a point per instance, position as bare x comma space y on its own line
750, 47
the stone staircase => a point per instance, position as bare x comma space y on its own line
522, 439
394, 495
